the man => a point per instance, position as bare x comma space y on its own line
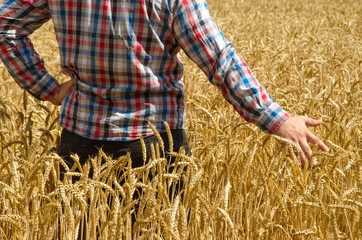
122, 57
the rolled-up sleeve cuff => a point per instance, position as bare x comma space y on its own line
272, 118
45, 88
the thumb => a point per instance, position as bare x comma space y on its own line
312, 122
65, 88
62, 93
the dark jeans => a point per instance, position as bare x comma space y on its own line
71, 143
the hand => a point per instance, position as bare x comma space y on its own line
62, 93
295, 129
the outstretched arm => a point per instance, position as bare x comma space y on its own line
201, 39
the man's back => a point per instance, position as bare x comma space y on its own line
122, 54
124, 58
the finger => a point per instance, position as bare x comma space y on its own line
62, 93
312, 122
65, 88
315, 140
55, 99
305, 148
294, 154
301, 154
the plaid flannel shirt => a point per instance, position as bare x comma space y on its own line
124, 56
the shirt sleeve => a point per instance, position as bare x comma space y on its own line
202, 41
18, 19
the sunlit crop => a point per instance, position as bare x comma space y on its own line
241, 183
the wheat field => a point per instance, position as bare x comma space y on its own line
241, 182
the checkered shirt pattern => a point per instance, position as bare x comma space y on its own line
124, 57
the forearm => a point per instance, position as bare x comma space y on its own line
203, 42
27, 68
18, 19
240, 88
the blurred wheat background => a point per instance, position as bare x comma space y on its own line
241, 182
